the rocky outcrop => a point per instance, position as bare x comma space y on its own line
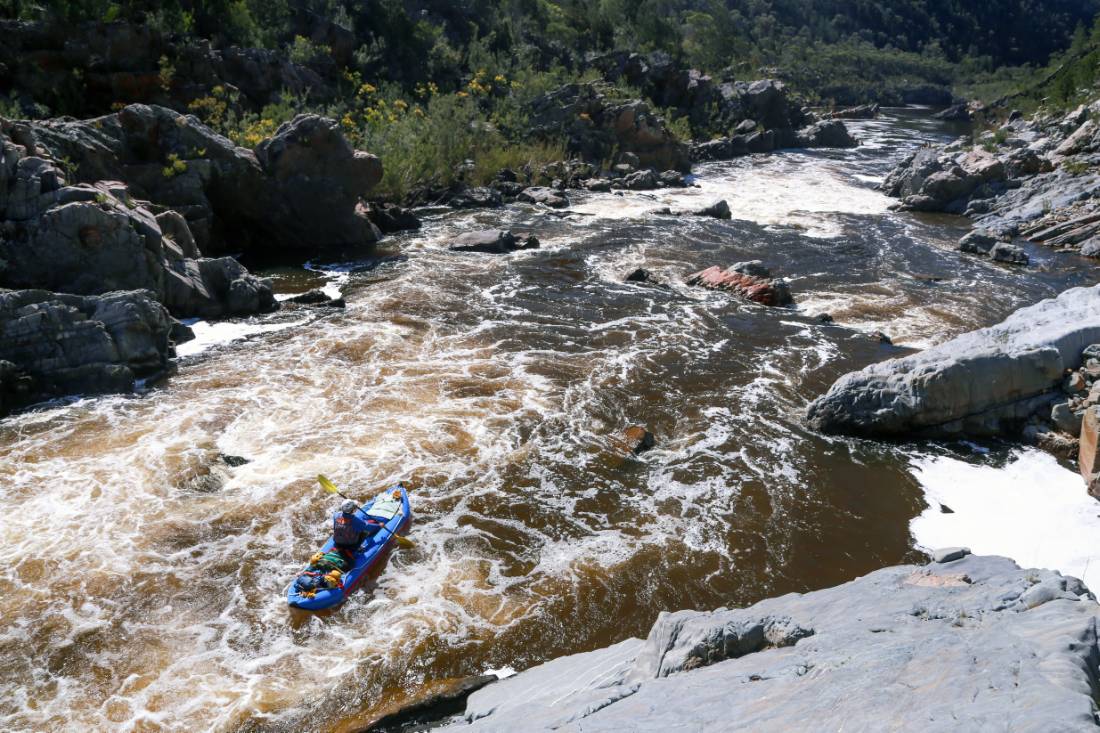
971, 643
826, 134
594, 127
300, 191
749, 280
1031, 178
314, 180
985, 382
96, 238
53, 345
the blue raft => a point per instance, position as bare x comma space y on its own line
395, 515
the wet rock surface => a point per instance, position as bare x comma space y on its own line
953, 645
749, 280
493, 241
986, 382
52, 345
96, 238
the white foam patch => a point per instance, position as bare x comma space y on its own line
1033, 510
785, 189
212, 333
502, 673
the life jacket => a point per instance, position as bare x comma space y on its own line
344, 530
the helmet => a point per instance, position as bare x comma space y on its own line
349, 506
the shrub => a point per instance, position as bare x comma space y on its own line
175, 166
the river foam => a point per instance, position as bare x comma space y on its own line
1031, 509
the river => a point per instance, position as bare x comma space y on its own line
143, 578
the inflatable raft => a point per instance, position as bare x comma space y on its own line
391, 509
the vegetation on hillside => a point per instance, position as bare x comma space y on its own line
430, 84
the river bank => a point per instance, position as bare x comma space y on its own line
491, 382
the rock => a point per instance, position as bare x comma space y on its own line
718, 210
954, 113
672, 179
545, 196
750, 280
390, 218
96, 238
1088, 456
881, 337
637, 440
630, 159
595, 127
985, 382
1065, 419
642, 276
978, 241
1074, 383
826, 134
475, 198
991, 646
58, 344
745, 127
317, 297
492, 241
319, 178
860, 112
638, 181
949, 554
601, 185
1092, 351
300, 190
446, 699
1009, 254
1056, 443
233, 461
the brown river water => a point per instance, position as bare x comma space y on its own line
143, 579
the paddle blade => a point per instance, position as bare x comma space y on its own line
327, 485
404, 542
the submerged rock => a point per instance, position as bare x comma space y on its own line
718, 210
985, 382
492, 241
545, 196
968, 643
750, 280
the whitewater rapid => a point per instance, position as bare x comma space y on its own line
143, 575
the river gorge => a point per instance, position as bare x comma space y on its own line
145, 577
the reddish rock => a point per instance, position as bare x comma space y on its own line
1088, 458
748, 280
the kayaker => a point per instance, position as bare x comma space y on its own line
349, 529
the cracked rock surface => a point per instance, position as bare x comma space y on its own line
972, 644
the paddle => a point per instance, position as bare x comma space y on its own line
331, 488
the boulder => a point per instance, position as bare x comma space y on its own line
1088, 455
984, 382
390, 218
316, 178
1009, 254
54, 344
1065, 419
749, 280
718, 210
974, 643
826, 134
642, 275
492, 241
638, 181
545, 196
479, 197
636, 439
978, 241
